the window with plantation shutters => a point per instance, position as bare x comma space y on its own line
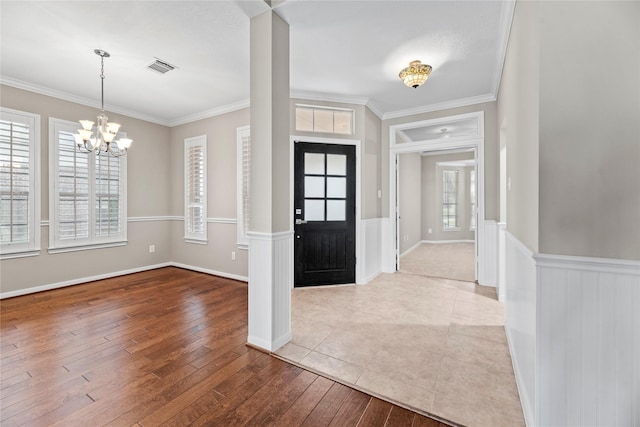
243, 158
195, 189
449, 200
87, 201
19, 183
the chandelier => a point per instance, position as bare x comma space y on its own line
415, 74
103, 142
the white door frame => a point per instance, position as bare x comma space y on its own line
335, 141
475, 140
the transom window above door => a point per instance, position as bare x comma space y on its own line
325, 187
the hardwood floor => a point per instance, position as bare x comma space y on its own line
163, 347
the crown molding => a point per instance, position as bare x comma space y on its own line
440, 106
504, 28
315, 96
245, 103
19, 84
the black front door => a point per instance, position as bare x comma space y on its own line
325, 214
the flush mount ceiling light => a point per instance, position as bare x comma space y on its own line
104, 141
415, 74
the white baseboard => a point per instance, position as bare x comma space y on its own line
209, 271
411, 249
527, 410
80, 280
447, 241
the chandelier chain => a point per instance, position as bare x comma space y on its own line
102, 82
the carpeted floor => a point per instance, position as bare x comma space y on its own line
454, 261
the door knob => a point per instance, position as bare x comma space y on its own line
300, 221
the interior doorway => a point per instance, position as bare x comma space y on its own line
460, 133
437, 213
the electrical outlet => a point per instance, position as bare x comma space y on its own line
152, 248
430, 231
233, 256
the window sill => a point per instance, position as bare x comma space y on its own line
197, 242
20, 254
64, 249
451, 229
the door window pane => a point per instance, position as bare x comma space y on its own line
337, 187
314, 163
314, 210
313, 186
336, 164
336, 210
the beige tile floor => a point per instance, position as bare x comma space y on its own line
446, 260
434, 345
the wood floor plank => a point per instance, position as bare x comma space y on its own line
160, 347
303, 405
376, 414
400, 417
326, 409
422, 421
351, 410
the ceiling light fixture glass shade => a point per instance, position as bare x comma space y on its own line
101, 138
415, 74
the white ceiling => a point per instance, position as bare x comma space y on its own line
344, 50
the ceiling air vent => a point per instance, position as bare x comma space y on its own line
161, 66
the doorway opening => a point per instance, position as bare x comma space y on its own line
437, 213
451, 135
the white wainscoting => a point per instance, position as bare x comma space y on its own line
488, 254
588, 341
369, 264
501, 285
388, 263
520, 321
270, 284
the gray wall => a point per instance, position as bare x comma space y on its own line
491, 153
431, 198
409, 197
148, 181
590, 129
518, 119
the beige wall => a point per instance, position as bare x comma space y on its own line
148, 180
491, 153
371, 176
431, 198
518, 117
270, 113
409, 197
221, 194
589, 129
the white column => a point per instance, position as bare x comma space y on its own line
270, 230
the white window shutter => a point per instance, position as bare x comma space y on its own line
87, 202
243, 211
19, 198
195, 216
